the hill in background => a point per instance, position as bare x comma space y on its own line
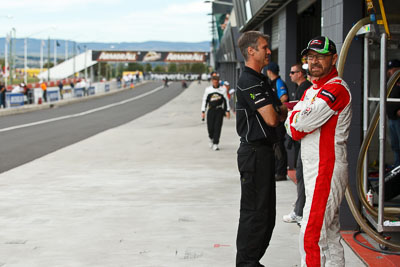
34, 48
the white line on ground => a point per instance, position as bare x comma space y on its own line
81, 113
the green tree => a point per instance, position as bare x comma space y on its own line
134, 66
46, 65
148, 67
159, 69
198, 68
172, 68
182, 68
120, 69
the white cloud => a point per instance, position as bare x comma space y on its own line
188, 8
111, 20
52, 5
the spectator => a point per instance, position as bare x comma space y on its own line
60, 86
166, 81
280, 88
2, 96
43, 85
393, 112
298, 76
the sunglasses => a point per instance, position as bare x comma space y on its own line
319, 57
293, 72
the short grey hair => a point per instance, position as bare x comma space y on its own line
249, 39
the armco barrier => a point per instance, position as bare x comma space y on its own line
14, 99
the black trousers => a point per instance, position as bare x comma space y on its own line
257, 204
281, 159
301, 194
215, 117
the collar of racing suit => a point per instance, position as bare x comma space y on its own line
322, 81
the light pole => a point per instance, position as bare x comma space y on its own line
66, 49
55, 52
6, 73
12, 47
26, 53
73, 65
6, 41
41, 55
85, 62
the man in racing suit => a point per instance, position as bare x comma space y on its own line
321, 120
216, 99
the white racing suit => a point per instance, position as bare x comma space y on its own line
321, 120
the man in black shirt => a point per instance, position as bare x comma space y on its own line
258, 112
393, 112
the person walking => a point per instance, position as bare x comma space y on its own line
258, 112
216, 100
393, 112
280, 88
298, 76
321, 120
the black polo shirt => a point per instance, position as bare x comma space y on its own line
253, 92
302, 88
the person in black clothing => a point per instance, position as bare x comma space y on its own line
2, 96
280, 88
215, 98
166, 81
298, 76
258, 112
60, 86
393, 112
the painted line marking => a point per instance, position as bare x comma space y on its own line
81, 113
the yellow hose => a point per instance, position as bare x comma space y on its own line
388, 212
349, 197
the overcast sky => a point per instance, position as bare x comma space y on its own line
107, 20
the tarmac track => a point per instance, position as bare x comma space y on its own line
28, 136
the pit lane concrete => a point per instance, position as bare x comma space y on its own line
147, 193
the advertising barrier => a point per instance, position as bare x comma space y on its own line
14, 99
53, 95
106, 88
79, 92
91, 90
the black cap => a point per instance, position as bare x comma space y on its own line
394, 63
320, 44
215, 76
273, 67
